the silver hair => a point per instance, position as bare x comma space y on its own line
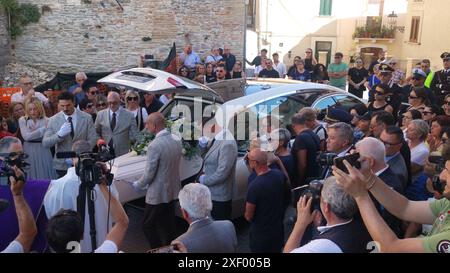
373, 148
195, 199
341, 204
283, 135
81, 75
130, 93
422, 128
7, 142
344, 130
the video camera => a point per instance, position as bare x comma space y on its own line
10, 161
440, 166
312, 190
331, 159
89, 167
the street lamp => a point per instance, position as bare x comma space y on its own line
392, 21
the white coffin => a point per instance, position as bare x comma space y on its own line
129, 168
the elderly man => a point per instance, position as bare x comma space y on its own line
117, 126
214, 57
27, 225
220, 168
312, 123
265, 206
67, 127
77, 89
26, 84
189, 57
229, 58
360, 182
374, 152
204, 234
392, 138
162, 177
342, 233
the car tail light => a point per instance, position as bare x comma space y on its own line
174, 82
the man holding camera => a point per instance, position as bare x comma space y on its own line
12, 161
359, 183
65, 128
63, 193
27, 225
342, 233
66, 229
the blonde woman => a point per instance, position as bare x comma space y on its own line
132, 104
32, 127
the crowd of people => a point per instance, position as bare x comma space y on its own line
397, 191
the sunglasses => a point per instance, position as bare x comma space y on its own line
132, 98
390, 144
94, 92
101, 104
447, 103
379, 93
412, 97
89, 105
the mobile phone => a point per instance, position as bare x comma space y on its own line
163, 249
353, 159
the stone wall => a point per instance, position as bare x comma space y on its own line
5, 56
96, 35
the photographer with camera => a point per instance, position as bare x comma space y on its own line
66, 229
359, 183
339, 143
27, 226
342, 233
374, 152
63, 193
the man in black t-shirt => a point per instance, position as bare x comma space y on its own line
304, 151
265, 206
269, 72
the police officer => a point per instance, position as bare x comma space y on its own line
441, 81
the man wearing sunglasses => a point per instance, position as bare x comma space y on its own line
392, 138
418, 80
441, 81
116, 126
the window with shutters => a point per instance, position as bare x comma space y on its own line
325, 7
415, 27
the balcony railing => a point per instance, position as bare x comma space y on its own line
374, 28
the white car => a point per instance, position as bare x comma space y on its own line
279, 98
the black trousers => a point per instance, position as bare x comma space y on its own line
221, 210
61, 173
159, 224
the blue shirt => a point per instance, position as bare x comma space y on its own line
305, 76
78, 97
190, 60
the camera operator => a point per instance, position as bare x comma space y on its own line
342, 233
63, 193
66, 227
360, 182
374, 152
204, 234
27, 226
339, 141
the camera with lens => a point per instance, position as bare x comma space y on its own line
439, 162
312, 190
10, 161
326, 159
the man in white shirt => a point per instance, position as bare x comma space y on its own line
65, 229
279, 66
63, 193
342, 234
215, 57
26, 84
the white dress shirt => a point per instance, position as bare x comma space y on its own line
62, 194
20, 97
74, 119
321, 245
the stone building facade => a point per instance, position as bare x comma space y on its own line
5, 53
97, 35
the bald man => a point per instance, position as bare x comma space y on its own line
162, 178
117, 126
266, 204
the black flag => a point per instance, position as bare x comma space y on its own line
169, 64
